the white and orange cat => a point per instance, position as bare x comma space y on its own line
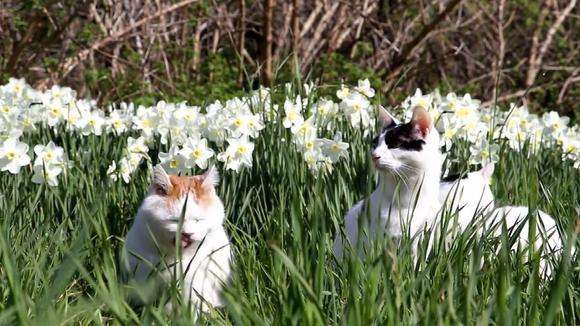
408, 161
184, 208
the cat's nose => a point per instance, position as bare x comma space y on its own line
375, 157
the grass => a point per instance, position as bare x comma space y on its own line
60, 247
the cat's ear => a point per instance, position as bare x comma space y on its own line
211, 177
422, 121
487, 172
386, 119
161, 182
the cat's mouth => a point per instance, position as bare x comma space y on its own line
186, 240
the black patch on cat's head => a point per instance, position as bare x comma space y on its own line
403, 136
454, 177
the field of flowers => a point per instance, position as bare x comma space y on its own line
293, 159
192, 135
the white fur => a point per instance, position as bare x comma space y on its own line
150, 243
471, 199
468, 197
405, 178
547, 237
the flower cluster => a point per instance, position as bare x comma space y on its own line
484, 128
193, 137
319, 153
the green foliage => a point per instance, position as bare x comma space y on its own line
60, 247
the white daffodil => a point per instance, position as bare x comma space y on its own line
47, 173
334, 149
304, 132
364, 87
117, 123
62, 94
190, 116
292, 112
55, 113
215, 123
13, 155
237, 154
554, 123
173, 161
92, 123
246, 125
125, 169
196, 153
325, 110
343, 92
308, 88
146, 121
112, 171
418, 99
137, 145
356, 108
17, 87
9, 111
484, 152
316, 160
49, 154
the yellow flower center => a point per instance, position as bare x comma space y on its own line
147, 123
464, 112
423, 103
309, 145
48, 156
238, 122
55, 111
196, 153
173, 164
5, 109
11, 155
242, 149
92, 122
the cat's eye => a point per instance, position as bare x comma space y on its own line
393, 143
160, 191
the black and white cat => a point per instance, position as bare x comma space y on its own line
410, 193
408, 160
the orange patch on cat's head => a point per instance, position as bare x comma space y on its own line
181, 185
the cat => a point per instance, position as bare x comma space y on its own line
408, 161
472, 200
205, 247
469, 196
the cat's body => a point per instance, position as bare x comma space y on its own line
468, 197
205, 259
408, 160
470, 200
